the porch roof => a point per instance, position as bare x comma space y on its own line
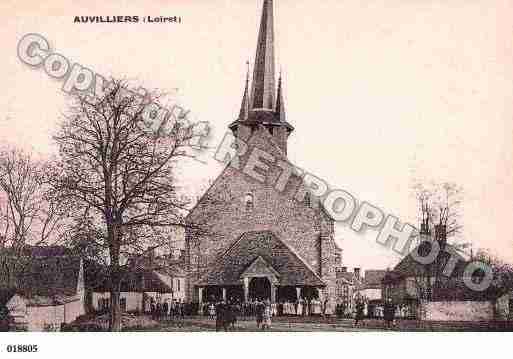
292, 270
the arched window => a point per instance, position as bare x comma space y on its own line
249, 202
308, 199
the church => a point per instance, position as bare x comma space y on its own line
260, 243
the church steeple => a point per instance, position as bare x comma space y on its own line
263, 89
244, 107
264, 106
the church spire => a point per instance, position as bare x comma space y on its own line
280, 103
244, 107
263, 87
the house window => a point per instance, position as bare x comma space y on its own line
178, 284
249, 202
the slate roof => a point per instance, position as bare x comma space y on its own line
174, 270
292, 270
38, 251
409, 267
346, 276
456, 290
374, 278
40, 280
139, 280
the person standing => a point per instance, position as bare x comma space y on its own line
152, 308
165, 309
389, 313
360, 306
259, 308
266, 316
300, 305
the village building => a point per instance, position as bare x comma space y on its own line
348, 287
159, 280
423, 291
371, 291
42, 291
261, 243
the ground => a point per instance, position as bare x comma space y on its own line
312, 324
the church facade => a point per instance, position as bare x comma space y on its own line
257, 242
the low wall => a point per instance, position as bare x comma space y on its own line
459, 311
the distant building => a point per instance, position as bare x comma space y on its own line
422, 291
372, 292
348, 285
42, 292
150, 280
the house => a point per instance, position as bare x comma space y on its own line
423, 291
348, 285
371, 291
41, 293
139, 287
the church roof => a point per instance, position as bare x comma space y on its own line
292, 270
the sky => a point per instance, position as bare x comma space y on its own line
381, 93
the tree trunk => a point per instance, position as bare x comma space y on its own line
115, 279
115, 309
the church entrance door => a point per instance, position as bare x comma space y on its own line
260, 288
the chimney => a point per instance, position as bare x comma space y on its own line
357, 272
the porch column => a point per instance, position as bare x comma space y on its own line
273, 293
246, 289
298, 293
224, 294
200, 300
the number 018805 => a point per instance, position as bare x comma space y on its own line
22, 348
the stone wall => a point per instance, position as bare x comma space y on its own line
459, 311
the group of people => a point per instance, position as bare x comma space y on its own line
389, 310
302, 307
164, 310
225, 313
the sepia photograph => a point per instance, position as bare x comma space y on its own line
172, 169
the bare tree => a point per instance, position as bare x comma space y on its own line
28, 214
440, 225
118, 167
